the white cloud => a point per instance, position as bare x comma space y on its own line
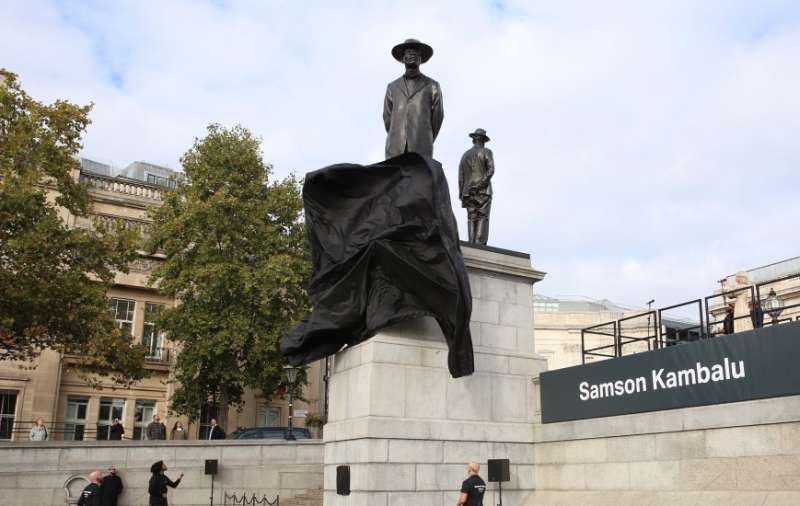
643, 150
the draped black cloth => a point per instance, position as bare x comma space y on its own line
385, 248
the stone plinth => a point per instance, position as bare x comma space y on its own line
407, 429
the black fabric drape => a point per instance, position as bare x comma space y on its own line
385, 248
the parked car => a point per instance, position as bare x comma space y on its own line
269, 433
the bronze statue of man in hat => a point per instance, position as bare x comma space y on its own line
412, 109
475, 186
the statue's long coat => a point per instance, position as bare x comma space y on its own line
413, 114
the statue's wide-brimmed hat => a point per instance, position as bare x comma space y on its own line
480, 132
425, 50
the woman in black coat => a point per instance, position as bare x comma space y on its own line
159, 483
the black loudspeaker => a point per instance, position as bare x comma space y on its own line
499, 470
343, 480
211, 467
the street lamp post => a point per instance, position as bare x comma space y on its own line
774, 305
291, 376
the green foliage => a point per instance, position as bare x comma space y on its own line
237, 262
53, 278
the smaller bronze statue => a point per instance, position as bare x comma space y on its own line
475, 186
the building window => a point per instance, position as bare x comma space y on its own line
122, 312
142, 415
75, 421
8, 409
160, 181
270, 417
109, 409
545, 306
152, 339
206, 414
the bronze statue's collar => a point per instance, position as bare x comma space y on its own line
412, 73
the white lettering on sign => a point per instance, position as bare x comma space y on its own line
661, 379
612, 388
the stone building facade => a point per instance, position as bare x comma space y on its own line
558, 325
782, 278
70, 408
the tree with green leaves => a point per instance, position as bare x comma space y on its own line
53, 277
237, 264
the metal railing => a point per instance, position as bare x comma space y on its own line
58, 431
654, 329
596, 351
672, 332
629, 333
253, 500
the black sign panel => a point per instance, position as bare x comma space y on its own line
749, 365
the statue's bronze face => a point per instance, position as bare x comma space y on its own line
412, 58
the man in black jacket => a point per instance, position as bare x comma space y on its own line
215, 431
91, 495
157, 489
111, 488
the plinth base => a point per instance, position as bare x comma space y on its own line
408, 430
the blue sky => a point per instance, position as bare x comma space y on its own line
643, 149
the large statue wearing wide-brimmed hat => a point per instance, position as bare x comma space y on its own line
412, 109
475, 186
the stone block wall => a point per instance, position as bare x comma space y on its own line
35, 473
407, 429
745, 453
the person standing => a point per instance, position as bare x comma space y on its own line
215, 431
111, 488
412, 109
178, 432
116, 430
39, 431
156, 430
473, 488
157, 488
756, 313
727, 323
475, 186
91, 494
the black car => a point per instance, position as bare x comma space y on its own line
270, 433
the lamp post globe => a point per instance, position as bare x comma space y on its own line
774, 305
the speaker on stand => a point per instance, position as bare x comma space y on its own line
499, 471
211, 469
